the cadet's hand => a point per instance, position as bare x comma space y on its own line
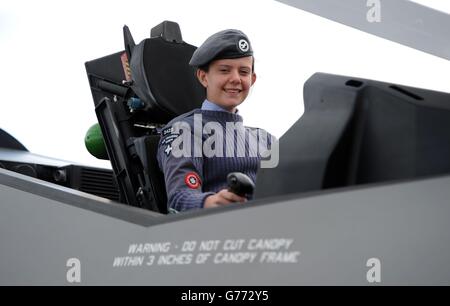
223, 197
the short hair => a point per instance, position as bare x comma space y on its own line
205, 67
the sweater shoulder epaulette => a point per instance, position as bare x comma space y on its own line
181, 117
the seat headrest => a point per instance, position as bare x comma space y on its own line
163, 79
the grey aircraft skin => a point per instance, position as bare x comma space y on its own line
388, 233
333, 238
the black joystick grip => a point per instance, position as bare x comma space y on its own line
240, 184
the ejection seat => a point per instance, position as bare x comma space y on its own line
136, 92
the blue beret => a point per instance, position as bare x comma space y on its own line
222, 45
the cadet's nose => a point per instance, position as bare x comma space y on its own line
235, 77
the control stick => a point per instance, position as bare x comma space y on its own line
240, 184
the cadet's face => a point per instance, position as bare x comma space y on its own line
228, 81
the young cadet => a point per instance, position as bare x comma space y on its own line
225, 67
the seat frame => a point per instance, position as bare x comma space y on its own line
131, 140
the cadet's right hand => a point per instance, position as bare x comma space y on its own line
223, 197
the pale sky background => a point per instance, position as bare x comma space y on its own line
46, 101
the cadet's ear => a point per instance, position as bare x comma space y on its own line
201, 76
253, 78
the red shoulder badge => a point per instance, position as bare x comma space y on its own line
192, 180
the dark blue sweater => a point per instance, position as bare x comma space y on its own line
190, 179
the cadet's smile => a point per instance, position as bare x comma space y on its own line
232, 91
